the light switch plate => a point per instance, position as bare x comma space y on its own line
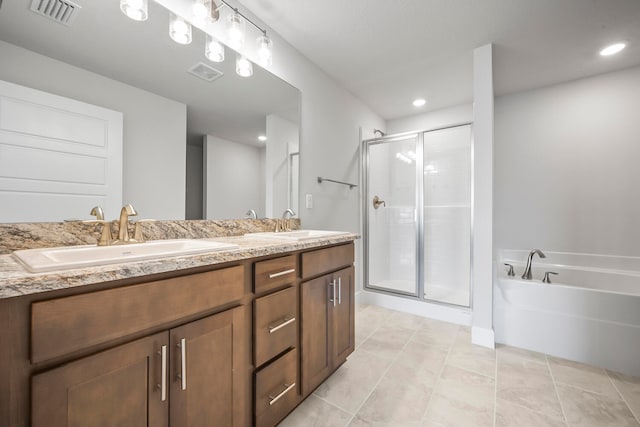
309, 201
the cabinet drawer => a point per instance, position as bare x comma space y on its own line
322, 261
273, 273
276, 390
275, 324
64, 325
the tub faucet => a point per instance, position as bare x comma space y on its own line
527, 270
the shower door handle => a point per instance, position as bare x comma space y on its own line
377, 201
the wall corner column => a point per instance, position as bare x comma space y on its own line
482, 246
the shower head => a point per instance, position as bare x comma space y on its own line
378, 131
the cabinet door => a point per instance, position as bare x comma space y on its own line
118, 387
316, 359
342, 316
206, 365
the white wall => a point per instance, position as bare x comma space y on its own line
154, 127
567, 176
234, 179
281, 136
195, 181
432, 119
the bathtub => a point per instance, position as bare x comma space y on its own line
590, 313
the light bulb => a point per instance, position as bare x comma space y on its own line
419, 102
244, 67
613, 49
135, 9
236, 31
265, 50
262, 138
179, 29
201, 9
213, 49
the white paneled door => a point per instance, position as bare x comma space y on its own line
58, 157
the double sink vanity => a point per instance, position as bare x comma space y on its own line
233, 329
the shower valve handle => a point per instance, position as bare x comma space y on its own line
377, 201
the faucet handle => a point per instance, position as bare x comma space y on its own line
137, 231
546, 278
510, 271
105, 237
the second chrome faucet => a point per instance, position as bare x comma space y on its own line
527, 270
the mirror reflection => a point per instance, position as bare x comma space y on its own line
190, 126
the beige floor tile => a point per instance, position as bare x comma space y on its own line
352, 383
314, 412
510, 415
387, 341
504, 350
359, 422
425, 361
430, 423
399, 398
462, 398
629, 387
587, 409
583, 376
436, 334
405, 320
472, 357
527, 383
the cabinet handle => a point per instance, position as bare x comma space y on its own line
339, 290
281, 325
274, 399
281, 273
183, 363
333, 287
163, 373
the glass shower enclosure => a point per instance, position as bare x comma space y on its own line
418, 215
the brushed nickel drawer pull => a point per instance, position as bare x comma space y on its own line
163, 373
284, 323
183, 363
281, 273
288, 388
340, 290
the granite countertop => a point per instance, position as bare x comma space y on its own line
16, 281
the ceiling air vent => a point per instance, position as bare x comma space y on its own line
61, 11
205, 72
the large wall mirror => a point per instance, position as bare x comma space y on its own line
228, 171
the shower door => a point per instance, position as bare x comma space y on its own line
418, 215
391, 216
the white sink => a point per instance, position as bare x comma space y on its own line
50, 259
297, 235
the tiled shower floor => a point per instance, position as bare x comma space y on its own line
409, 371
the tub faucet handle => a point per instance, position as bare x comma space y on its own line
546, 278
510, 271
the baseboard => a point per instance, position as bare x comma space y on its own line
483, 337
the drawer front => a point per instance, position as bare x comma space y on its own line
322, 261
64, 325
276, 390
275, 324
274, 273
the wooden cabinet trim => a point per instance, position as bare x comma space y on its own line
64, 325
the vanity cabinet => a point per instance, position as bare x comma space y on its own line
327, 307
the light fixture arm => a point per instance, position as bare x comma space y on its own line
235, 9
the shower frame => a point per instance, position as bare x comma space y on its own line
419, 295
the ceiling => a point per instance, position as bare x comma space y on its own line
388, 52
103, 40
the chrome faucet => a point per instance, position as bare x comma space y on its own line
251, 214
288, 213
527, 270
123, 232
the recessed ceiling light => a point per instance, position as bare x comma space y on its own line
262, 138
419, 102
612, 49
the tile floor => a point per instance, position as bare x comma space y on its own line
409, 371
